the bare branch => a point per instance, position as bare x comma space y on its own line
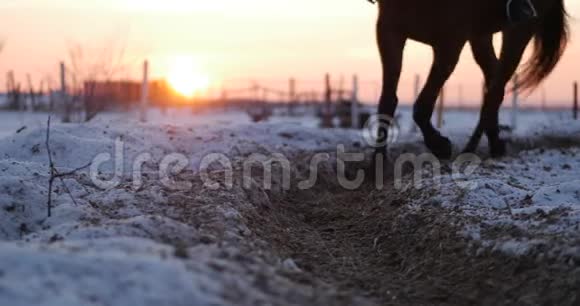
55, 174
93, 63
68, 190
50, 162
73, 172
51, 169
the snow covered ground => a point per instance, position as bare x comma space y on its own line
150, 244
10, 122
527, 204
524, 204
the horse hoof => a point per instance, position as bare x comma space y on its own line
440, 146
498, 149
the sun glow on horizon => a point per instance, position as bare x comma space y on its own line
186, 77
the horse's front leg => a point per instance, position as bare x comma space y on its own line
513, 47
484, 54
391, 45
446, 56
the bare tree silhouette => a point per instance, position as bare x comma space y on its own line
13, 89
88, 65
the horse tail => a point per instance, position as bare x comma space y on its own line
550, 41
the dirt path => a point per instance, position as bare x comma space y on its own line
366, 243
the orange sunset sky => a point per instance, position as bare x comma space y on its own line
233, 42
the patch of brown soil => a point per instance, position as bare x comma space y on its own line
367, 243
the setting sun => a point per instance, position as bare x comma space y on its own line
186, 77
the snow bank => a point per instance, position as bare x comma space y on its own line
520, 205
105, 275
146, 246
24, 159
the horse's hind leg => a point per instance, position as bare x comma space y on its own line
445, 60
515, 42
391, 45
484, 54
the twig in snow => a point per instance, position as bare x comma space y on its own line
68, 191
72, 172
51, 169
21, 129
54, 174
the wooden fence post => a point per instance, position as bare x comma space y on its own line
255, 91
144, 92
341, 89
441, 108
515, 103
354, 111
292, 91
575, 107
292, 101
64, 95
416, 92
31, 93
327, 109
13, 90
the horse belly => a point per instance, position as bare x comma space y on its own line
430, 21
436, 32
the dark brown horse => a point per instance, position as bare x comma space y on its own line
447, 25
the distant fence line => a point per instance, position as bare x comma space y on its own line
92, 95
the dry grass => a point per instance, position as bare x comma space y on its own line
367, 243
